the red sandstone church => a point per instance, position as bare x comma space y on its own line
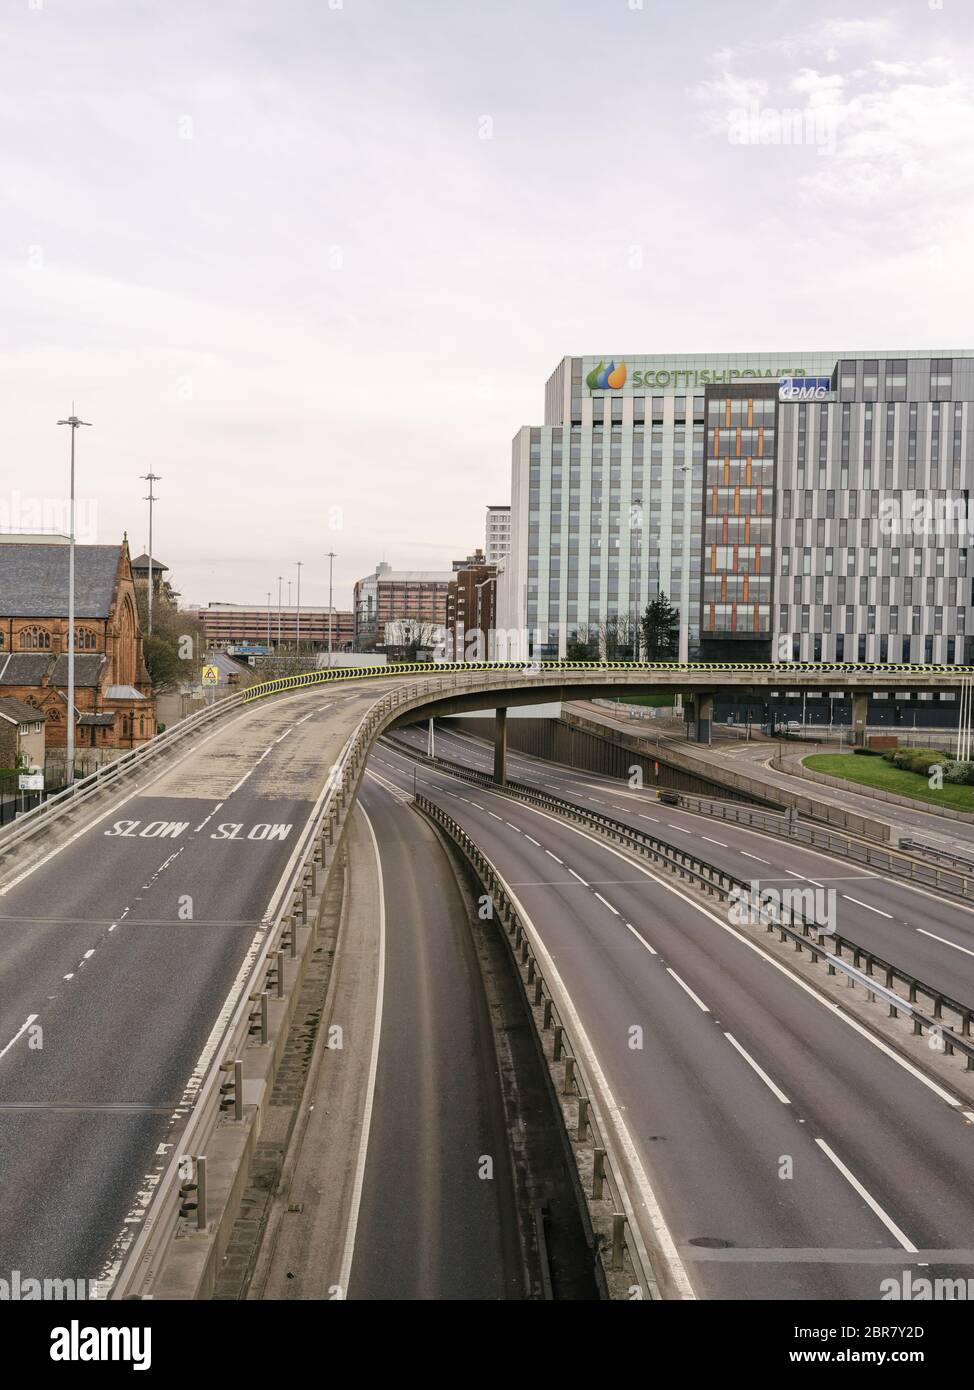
114, 704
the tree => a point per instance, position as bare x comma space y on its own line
162, 662
661, 630
180, 632
584, 646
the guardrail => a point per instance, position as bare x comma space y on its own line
827, 946
782, 826
678, 755
592, 1128
247, 1020
904, 866
162, 742
931, 851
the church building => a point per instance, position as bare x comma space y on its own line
114, 703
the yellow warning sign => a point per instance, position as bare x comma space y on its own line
211, 675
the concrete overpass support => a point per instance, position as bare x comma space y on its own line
704, 710
500, 746
860, 717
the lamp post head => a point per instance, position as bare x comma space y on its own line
74, 422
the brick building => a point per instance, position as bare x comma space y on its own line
471, 607
391, 596
114, 704
232, 624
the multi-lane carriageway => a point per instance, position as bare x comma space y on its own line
121, 945
791, 1151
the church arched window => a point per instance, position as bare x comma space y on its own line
34, 639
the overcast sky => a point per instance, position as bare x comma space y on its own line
313, 262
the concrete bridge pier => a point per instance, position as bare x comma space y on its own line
704, 711
500, 746
860, 717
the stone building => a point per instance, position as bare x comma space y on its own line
114, 704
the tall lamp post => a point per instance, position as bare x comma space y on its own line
280, 581
331, 564
74, 422
268, 622
150, 478
297, 638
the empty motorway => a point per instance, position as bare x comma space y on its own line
792, 1153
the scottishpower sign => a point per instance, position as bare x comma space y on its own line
614, 375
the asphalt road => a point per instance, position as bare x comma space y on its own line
437, 1218
751, 760
117, 952
793, 1154
929, 936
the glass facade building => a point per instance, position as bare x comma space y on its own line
607, 494
769, 521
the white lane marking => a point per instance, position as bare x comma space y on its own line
614, 1118
968, 1115
137, 790
532, 839
515, 828
679, 827
754, 856
683, 985
712, 841
284, 735
776, 1090
68, 977
790, 872
31, 1018
88, 954
554, 856
363, 1147
607, 903
868, 1198
778, 965
945, 941
641, 939
859, 903
495, 815
578, 876
641, 816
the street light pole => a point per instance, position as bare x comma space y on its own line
280, 581
297, 639
150, 478
74, 423
268, 622
331, 563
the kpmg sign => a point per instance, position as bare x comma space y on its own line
807, 388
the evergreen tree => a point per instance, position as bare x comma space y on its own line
661, 630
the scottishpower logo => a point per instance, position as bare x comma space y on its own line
604, 377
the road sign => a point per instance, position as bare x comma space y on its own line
31, 781
211, 675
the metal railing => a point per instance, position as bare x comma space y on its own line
593, 1125
858, 963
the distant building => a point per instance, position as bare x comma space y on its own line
140, 570
233, 624
389, 596
114, 704
471, 609
21, 735
497, 543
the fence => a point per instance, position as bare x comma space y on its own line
594, 1123
790, 923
